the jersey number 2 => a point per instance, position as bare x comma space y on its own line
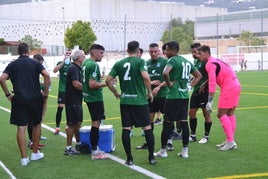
126, 76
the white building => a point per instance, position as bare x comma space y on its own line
46, 20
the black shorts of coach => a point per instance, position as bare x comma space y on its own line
96, 110
176, 109
74, 114
26, 111
134, 115
157, 105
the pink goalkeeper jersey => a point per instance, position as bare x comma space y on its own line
221, 74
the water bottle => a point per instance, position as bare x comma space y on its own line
67, 60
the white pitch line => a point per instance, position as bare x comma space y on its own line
112, 157
7, 170
5, 109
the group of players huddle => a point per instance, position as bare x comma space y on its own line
161, 84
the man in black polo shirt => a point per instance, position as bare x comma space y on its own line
27, 101
73, 101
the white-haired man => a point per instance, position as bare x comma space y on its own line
73, 103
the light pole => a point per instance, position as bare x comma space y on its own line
63, 19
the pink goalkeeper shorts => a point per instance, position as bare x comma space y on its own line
229, 98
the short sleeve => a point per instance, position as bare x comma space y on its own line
170, 62
143, 66
93, 71
113, 71
74, 74
8, 69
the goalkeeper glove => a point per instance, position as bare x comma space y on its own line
209, 104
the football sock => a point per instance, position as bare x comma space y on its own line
178, 126
207, 128
58, 116
227, 128
193, 124
166, 132
185, 133
233, 123
126, 143
149, 136
94, 137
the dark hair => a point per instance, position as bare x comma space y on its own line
38, 57
133, 46
23, 48
173, 45
97, 47
195, 45
152, 45
164, 47
204, 48
141, 50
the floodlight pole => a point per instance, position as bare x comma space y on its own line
63, 19
262, 40
217, 45
170, 27
125, 33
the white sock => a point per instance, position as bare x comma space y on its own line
169, 141
68, 147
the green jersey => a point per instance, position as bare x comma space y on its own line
62, 76
91, 70
132, 86
180, 73
201, 66
155, 70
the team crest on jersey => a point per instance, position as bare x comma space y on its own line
158, 64
145, 66
94, 74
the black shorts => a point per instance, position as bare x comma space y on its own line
74, 114
157, 105
198, 100
176, 109
96, 110
61, 98
137, 115
27, 111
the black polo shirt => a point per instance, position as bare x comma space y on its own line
73, 95
24, 76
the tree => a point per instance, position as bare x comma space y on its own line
2, 40
80, 34
249, 39
34, 44
183, 33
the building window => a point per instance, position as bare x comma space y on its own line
231, 49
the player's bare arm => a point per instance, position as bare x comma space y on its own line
93, 84
197, 77
109, 82
147, 82
166, 72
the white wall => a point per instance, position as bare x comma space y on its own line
108, 62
